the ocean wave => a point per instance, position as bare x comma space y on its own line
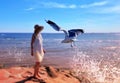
111, 47
99, 71
53, 39
2, 34
7, 38
118, 34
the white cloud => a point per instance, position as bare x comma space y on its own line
62, 5
94, 7
115, 9
72, 6
112, 9
57, 5
107, 10
53, 5
29, 9
103, 7
94, 4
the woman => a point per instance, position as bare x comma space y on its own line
37, 49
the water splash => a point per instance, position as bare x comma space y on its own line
99, 71
16, 53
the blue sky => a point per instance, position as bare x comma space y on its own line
90, 15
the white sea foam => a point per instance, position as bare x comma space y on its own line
111, 47
16, 53
98, 71
98, 55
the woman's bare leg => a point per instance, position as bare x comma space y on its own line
36, 70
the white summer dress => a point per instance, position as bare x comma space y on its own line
38, 48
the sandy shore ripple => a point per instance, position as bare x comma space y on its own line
48, 75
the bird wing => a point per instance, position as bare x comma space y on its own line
66, 33
53, 25
75, 32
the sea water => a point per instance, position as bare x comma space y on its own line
95, 55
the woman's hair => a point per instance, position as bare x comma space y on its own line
37, 27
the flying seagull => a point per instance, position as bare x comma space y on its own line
70, 35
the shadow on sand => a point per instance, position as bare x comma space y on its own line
33, 79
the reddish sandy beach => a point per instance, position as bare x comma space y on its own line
48, 75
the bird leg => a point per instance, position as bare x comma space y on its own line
73, 44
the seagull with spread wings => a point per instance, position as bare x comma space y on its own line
70, 35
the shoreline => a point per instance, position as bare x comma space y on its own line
48, 74
57, 62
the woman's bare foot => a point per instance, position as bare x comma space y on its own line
39, 75
36, 77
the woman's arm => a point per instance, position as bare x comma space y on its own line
44, 50
32, 41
